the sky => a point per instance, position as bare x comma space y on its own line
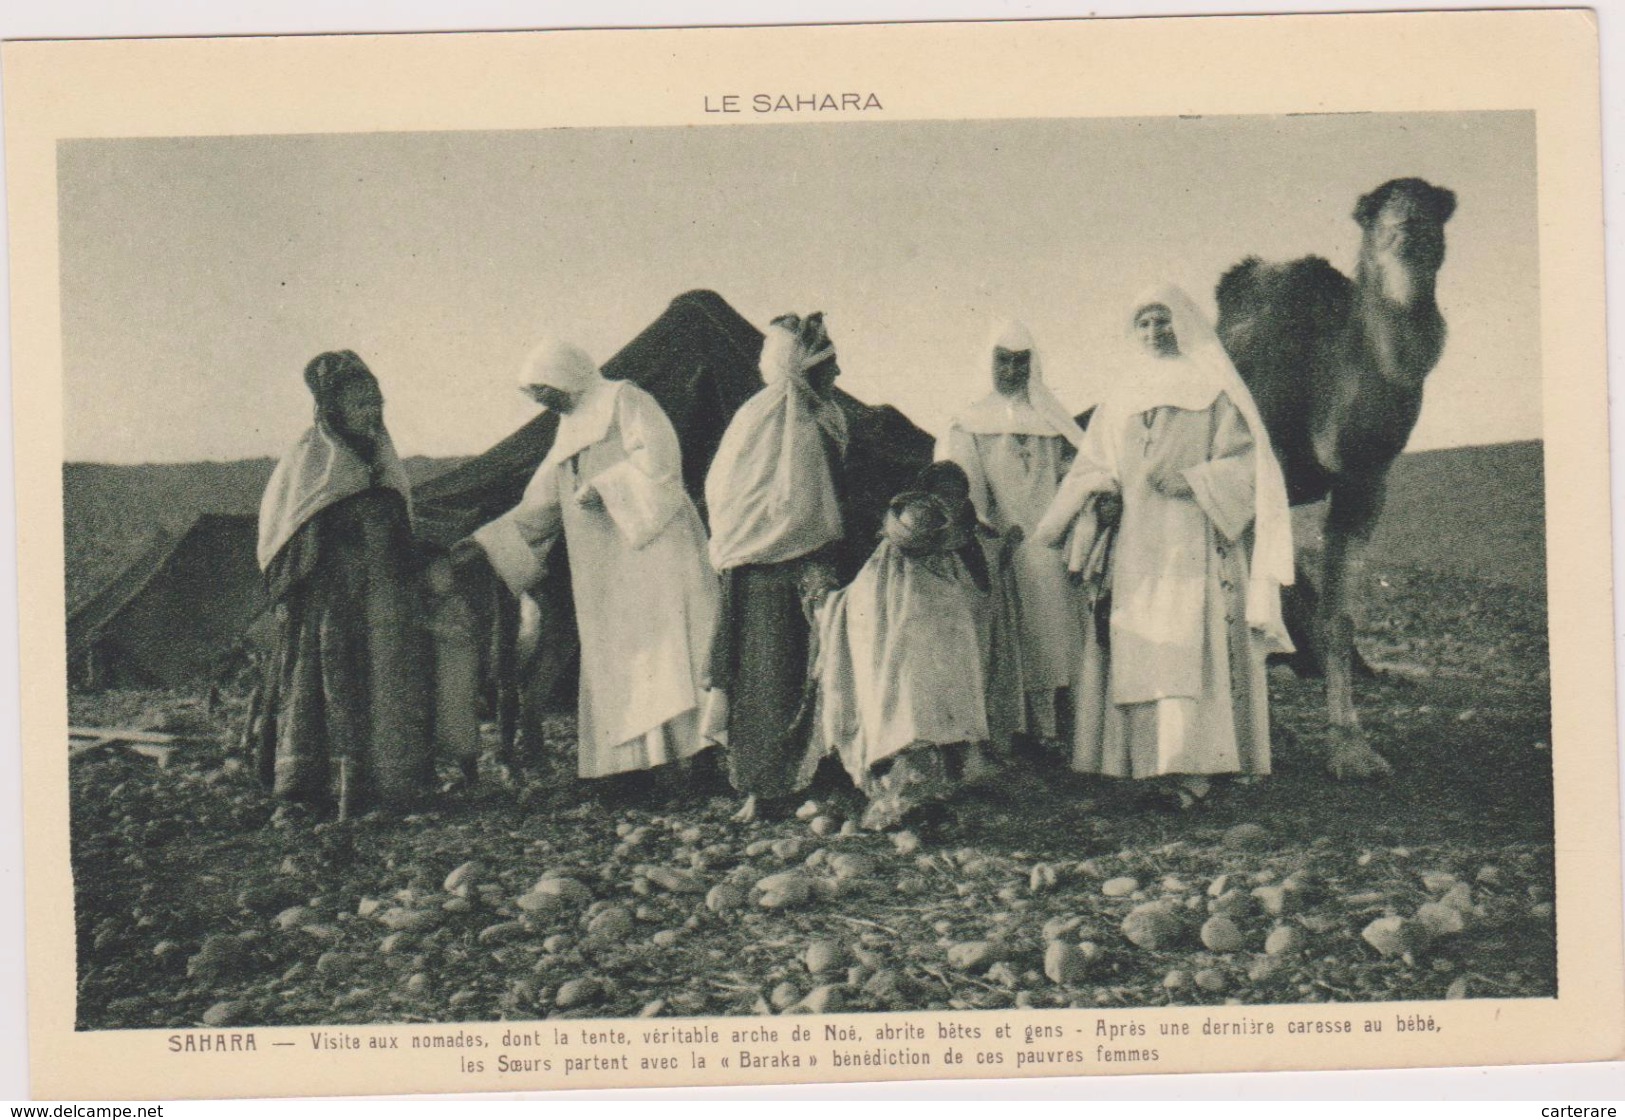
200, 274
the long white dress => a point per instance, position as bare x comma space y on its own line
645, 595
1014, 478
1181, 688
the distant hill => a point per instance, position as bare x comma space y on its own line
1471, 511
1478, 512
112, 514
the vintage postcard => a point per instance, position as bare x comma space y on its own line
694, 557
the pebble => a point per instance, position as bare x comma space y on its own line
1120, 887
1457, 989
1284, 941
785, 996
1234, 903
758, 848
294, 917
808, 811
1043, 877
404, 919
1389, 936
1437, 882
1221, 935
1154, 925
788, 849
396, 942
220, 957
849, 865
1247, 837
613, 924
501, 933
906, 843
1212, 980
724, 897
651, 1009
1277, 900
1059, 927
578, 993
1064, 964
822, 1000
369, 908
418, 985
824, 956
1004, 975
463, 875
1460, 897
822, 825
457, 906
1219, 886
666, 938
1266, 969
227, 1013
557, 943
1439, 920
673, 880
1175, 980
784, 890
335, 963
969, 955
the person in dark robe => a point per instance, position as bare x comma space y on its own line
774, 497
348, 700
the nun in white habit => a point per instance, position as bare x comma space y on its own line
1015, 445
1191, 586
645, 596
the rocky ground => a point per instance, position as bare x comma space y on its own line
194, 906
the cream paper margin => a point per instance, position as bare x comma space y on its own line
1545, 61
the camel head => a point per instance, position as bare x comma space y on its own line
1403, 223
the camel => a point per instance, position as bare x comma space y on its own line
1337, 367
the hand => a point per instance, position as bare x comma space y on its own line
1014, 535
1109, 510
466, 552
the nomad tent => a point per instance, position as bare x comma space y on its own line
177, 614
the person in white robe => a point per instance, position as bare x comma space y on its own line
1190, 584
1015, 445
645, 598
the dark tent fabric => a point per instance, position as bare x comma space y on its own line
176, 614
699, 360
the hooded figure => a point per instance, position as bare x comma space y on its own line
645, 598
1202, 548
344, 715
905, 655
1015, 444
774, 499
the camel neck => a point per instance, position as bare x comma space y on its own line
1399, 322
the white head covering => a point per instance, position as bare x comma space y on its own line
1192, 380
1039, 413
769, 492
562, 365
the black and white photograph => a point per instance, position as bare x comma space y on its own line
833, 565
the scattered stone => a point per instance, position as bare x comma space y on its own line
1175, 980
369, 908
673, 880
501, 933
784, 890
822, 1000
1437, 882
1220, 934
1043, 877
1284, 941
227, 1013
1154, 925
578, 993
970, 955
758, 848
1265, 969
808, 811
724, 897
1004, 975
1277, 900
294, 917
824, 956
652, 1009
463, 875
220, 957
1247, 838
1457, 989
1219, 886
1212, 980
1065, 965
612, 924
1120, 887
1489, 875
906, 843
785, 996
334, 963
788, 849
1460, 897
418, 985
1392, 937
1439, 920
557, 943
822, 825
408, 920
850, 865
1234, 903
1059, 927
457, 906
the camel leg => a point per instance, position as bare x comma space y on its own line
1348, 530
